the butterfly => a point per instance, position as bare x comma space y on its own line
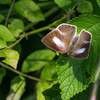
64, 39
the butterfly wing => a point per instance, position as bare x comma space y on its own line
81, 49
60, 38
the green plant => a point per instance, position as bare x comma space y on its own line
30, 71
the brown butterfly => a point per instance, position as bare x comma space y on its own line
64, 40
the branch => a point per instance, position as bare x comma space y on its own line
8, 47
9, 12
18, 72
43, 28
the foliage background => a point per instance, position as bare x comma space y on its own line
30, 71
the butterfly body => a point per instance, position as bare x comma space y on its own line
64, 40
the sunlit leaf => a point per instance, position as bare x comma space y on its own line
42, 86
2, 43
17, 88
85, 7
6, 34
29, 9
49, 72
75, 75
2, 53
16, 27
52, 93
12, 58
37, 60
98, 1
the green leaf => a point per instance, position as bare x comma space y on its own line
2, 74
5, 1
52, 93
98, 1
37, 60
17, 47
64, 4
2, 43
16, 27
6, 34
12, 58
96, 8
42, 86
2, 53
85, 95
49, 72
29, 10
85, 7
17, 88
80, 21
1, 18
75, 75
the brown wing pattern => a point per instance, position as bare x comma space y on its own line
69, 32
54, 41
60, 38
81, 49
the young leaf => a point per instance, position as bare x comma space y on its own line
5, 1
42, 86
1, 18
98, 1
17, 88
64, 4
6, 34
52, 93
12, 58
2, 43
75, 75
2, 53
29, 10
49, 72
37, 60
2, 74
16, 27
85, 7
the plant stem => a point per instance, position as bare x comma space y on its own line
51, 11
31, 33
8, 47
44, 28
52, 24
9, 12
18, 72
46, 4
